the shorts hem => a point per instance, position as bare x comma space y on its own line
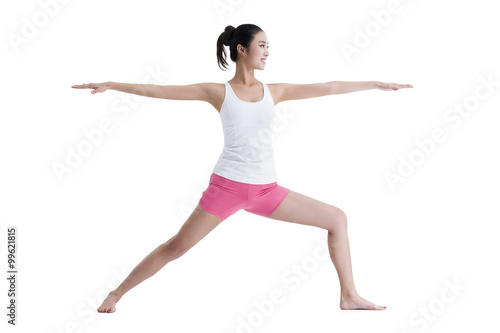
210, 211
278, 204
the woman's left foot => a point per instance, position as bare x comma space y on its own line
358, 303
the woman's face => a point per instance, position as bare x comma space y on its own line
258, 51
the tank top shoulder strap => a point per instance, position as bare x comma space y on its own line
267, 93
231, 94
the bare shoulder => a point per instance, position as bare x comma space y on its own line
276, 90
215, 94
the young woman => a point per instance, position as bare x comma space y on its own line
244, 176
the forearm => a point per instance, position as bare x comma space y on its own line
343, 87
148, 90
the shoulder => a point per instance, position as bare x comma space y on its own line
215, 93
212, 88
276, 90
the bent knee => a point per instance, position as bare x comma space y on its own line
339, 219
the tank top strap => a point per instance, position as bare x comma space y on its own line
230, 92
267, 93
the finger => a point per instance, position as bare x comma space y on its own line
85, 86
80, 86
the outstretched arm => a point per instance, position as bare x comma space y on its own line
199, 91
287, 91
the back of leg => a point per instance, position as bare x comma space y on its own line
197, 226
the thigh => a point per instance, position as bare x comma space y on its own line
197, 226
301, 209
223, 197
263, 199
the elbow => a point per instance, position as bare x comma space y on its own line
334, 87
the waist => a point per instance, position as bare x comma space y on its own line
248, 154
260, 172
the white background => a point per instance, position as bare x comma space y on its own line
77, 234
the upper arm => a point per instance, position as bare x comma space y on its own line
288, 91
212, 93
197, 91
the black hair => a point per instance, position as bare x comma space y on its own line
243, 34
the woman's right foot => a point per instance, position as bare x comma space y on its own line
108, 305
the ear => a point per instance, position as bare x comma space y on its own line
241, 49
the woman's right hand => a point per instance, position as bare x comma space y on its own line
98, 87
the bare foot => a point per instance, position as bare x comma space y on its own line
358, 303
108, 305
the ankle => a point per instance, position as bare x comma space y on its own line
114, 294
348, 294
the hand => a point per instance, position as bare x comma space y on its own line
392, 86
98, 87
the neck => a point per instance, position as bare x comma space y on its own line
244, 75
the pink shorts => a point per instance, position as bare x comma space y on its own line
224, 197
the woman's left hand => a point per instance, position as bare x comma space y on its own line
392, 86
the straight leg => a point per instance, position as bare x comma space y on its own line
196, 227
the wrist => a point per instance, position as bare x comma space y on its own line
109, 84
376, 84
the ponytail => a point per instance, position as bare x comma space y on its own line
224, 40
232, 37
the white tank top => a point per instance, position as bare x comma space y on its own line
248, 155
